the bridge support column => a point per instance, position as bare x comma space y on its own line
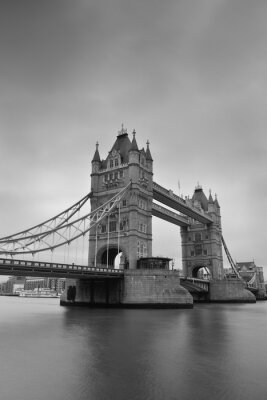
154, 289
231, 291
94, 292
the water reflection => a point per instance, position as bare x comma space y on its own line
211, 352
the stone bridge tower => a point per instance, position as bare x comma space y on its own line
128, 230
201, 243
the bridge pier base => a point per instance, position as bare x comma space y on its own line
153, 288
230, 291
140, 288
94, 292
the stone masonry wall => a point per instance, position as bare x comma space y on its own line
158, 288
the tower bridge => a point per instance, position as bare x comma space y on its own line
123, 199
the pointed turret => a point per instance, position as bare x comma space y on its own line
134, 146
216, 201
96, 166
96, 155
210, 198
148, 154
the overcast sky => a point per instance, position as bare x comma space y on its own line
190, 76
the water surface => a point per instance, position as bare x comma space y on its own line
57, 353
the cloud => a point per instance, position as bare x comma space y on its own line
189, 76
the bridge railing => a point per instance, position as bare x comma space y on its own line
169, 193
57, 266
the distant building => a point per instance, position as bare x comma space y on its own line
57, 284
14, 284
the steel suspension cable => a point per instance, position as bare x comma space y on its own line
92, 219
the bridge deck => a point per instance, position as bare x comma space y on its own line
195, 284
43, 269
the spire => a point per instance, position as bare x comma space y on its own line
210, 198
122, 132
148, 154
134, 146
216, 201
96, 155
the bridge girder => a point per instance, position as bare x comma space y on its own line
169, 216
171, 200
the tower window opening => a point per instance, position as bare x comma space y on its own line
198, 237
112, 226
198, 249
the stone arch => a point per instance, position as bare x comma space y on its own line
201, 272
107, 256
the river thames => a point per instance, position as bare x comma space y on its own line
210, 352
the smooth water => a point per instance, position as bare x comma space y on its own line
210, 352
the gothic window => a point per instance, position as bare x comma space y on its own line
121, 174
116, 162
142, 204
198, 249
144, 250
124, 203
198, 237
111, 163
205, 252
112, 226
142, 227
103, 228
116, 175
192, 253
141, 249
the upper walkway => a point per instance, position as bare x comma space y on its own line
170, 199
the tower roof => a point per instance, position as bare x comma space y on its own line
96, 155
122, 145
200, 196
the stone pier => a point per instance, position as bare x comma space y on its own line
139, 288
230, 291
